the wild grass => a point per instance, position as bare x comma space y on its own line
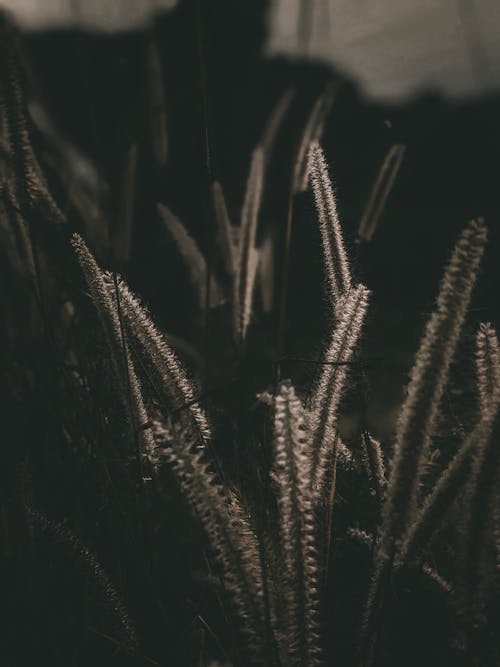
129, 427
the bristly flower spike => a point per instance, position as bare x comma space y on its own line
229, 533
225, 230
274, 123
130, 389
487, 364
330, 387
312, 133
30, 186
449, 486
375, 464
292, 468
419, 412
160, 359
247, 257
380, 191
192, 256
335, 255
428, 379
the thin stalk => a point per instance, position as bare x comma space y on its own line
287, 244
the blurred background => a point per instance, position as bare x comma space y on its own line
393, 48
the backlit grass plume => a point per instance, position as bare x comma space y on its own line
487, 363
380, 191
274, 123
375, 463
226, 233
192, 256
428, 379
240, 255
312, 133
329, 390
171, 383
477, 551
292, 467
125, 375
419, 412
247, 256
229, 534
335, 256
450, 486
29, 185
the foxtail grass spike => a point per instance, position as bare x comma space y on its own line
192, 256
130, 389
419, 412
428, 379
171, 379
375, 464
225, 229
246, 268
344, 454
330, 386
334, 253
487, 363
449, 487
380, 192
361, 536
252, 202
274, 123
229, 533
248, 299
367, 539
476, 554
31, 189
437, 578
292, 466
18, 230
312, 133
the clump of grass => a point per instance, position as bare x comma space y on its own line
286, 612
134, 423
